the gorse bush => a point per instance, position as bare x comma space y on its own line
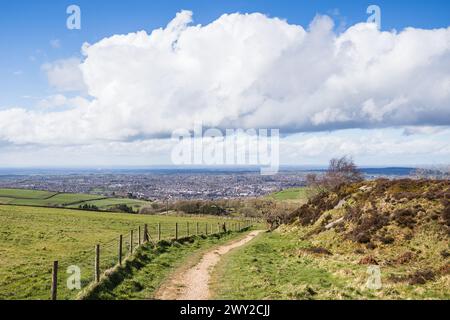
369, 208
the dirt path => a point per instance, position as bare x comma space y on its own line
193, 283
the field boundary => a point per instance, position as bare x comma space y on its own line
119, 272
65, 208
84, 201
124, 248
71, 203
30, 198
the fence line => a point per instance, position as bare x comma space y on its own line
113, 252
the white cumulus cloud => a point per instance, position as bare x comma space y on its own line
65, 74
244, 71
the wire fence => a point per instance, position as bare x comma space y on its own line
64, 279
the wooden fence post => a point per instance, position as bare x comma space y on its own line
54, 290
176, 230
196, 229
120, 250
97, 263
139, 235
187, 228
206, 228
159, 231
131, 242
146, 233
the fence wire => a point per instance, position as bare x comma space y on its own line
79, 272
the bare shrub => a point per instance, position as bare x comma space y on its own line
421, 277
319, 251
277, 216
340, 171
368, 260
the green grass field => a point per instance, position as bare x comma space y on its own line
32, 238
25, 194
68, 200
110, 203
298, 194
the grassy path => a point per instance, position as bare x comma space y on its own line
193, 283
272, 267
282, 266
150, 270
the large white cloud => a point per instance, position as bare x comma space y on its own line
65, 74
245, 70
374, 147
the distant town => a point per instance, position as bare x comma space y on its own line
170, 184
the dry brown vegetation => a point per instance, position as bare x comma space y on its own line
370, 209
402, 225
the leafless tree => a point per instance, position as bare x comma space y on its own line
343, 170
340, 171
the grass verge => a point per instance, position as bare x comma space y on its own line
267, 268
143, 273
280, 266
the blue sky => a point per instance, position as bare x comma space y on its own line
28, 27
398, 114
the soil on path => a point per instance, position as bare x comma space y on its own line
193, 283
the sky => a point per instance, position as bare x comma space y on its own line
113, 92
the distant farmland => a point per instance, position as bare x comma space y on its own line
68, 200
32, 238
293, 194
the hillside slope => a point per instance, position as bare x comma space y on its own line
371, 240
401, 225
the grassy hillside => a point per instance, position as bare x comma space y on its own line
69, 200
109, 204
32, 238
25, 194
330, 245
296, 194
